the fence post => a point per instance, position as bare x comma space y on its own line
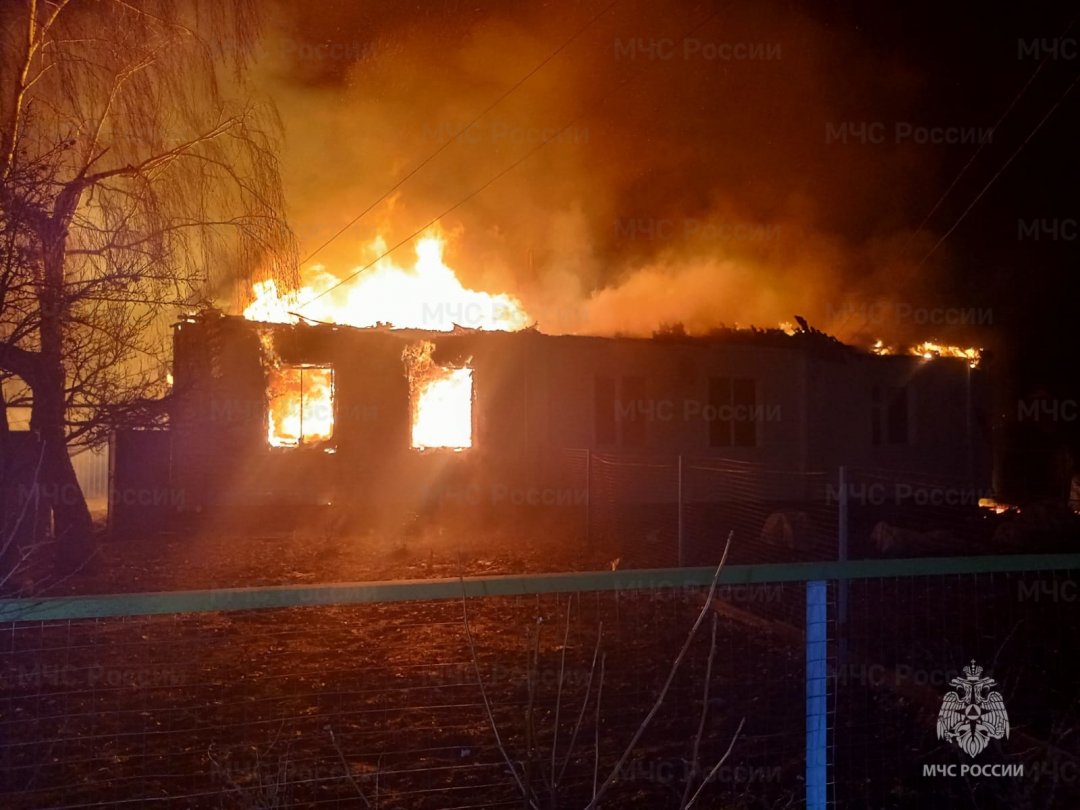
588, 497
842, 555
816, 694
968, 425
679, 508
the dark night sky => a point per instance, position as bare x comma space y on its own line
713, 141
975, 55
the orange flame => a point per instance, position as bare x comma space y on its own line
301, 406
300, 400
426, 296
996, 506
441, 400
928, 350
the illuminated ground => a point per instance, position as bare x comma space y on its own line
218, 558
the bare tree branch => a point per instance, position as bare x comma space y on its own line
132, 179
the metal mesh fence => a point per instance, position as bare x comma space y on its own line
386, 704
381, 705
633, 509
907, 640
649, 511
655, 511
898, 514
903, 514
777, 514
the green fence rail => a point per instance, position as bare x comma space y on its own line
230, 599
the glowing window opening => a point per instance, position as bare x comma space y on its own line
440, 401
300, 405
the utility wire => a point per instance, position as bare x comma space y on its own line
993, 129
463, 130
1004, 166
588, 111
968, 165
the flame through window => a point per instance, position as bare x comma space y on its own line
440, 400
300, 407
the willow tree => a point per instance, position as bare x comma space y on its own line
135, 164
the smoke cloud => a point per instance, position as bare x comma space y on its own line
712, 169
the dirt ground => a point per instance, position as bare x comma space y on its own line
240, 555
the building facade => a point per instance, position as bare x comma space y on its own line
353, 427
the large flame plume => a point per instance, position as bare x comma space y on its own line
627, 219
427, 295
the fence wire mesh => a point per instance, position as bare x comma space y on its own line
382, 705
904, 643
660, 511
387, 704
650, 511
895, 514
778, 515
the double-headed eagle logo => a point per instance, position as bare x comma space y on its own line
971, 716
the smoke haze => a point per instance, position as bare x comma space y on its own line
702, 179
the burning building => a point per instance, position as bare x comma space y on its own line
271, 413
342, 407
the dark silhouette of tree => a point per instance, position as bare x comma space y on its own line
135, 165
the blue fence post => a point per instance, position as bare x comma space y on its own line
816, 683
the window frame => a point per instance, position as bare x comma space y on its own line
301, 443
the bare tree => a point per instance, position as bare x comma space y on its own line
135, 164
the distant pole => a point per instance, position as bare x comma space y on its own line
679, 508
588, 497
968, 426
842, 517
842, 555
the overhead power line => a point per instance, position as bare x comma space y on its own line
1004, 166
968, 164
993, 129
